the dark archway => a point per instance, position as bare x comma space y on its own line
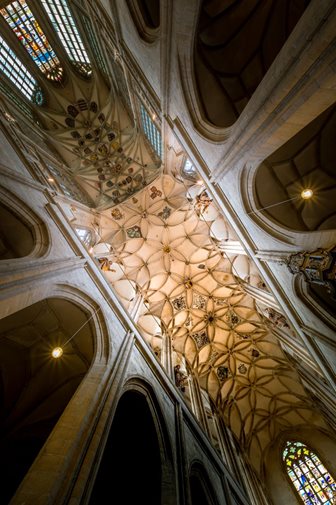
34, 387
306, 161
146, 17
16, 237
131, 462
150, 10
200, 487
236, 43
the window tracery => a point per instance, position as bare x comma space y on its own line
24, 25
151, 131
311, 479
64, 24
16, 72
16, 100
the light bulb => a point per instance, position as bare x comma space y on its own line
57, 352
50, 179
306, 194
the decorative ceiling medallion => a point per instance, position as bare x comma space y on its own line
232, 318
199, 302
116, 214
134, 232
222, 373
201, 338
154, 192
210, 318
179, 303
165, 213
242, 369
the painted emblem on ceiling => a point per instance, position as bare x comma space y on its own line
134, 232
201, 338
103, 149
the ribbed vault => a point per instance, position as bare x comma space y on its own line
164, 246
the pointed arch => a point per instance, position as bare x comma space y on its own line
22, 233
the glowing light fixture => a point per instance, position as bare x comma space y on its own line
307, 193
57, 352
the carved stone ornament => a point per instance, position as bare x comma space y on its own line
181, 378
318, 267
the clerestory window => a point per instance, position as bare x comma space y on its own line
151, 131
310, 477
16, 72
65, 26
24, 25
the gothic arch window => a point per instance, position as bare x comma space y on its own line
151, 131
18, 74
309, 476
64, 24
25, 26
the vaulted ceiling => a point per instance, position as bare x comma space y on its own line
164, 245
161, 236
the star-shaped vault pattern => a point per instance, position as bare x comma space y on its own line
164, 246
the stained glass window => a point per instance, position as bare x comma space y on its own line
64, 24
311, 479
12, 67
23, 23
151, 132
